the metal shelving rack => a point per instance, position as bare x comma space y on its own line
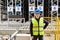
54, 12
0, 12
54, 17
31, 8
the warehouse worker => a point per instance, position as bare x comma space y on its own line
37, 26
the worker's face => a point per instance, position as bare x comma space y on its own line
37, 15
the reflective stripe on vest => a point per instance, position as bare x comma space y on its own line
35, 26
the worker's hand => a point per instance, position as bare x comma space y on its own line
32, 37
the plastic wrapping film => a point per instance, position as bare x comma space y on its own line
49, 37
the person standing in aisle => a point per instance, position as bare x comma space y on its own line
37, 25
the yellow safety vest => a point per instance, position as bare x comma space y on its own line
38, 29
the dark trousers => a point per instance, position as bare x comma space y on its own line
37, 37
